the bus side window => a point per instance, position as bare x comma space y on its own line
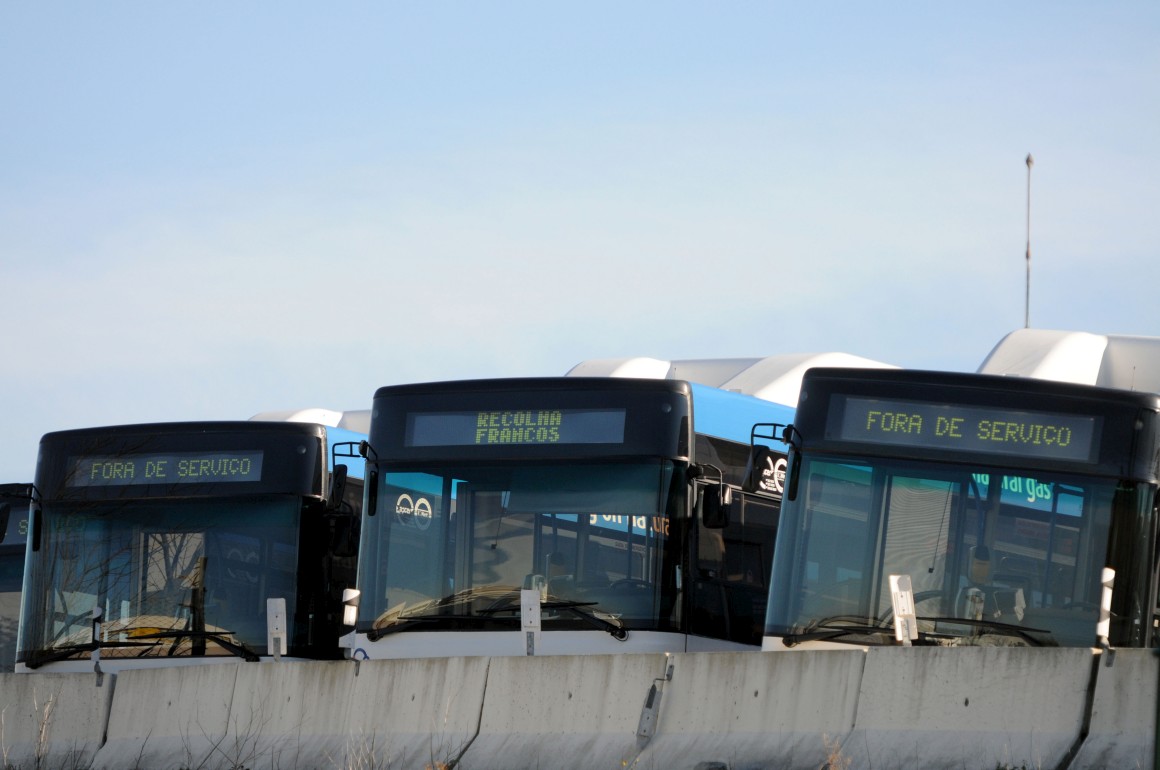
731, 579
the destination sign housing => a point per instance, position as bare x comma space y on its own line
165, 468
500, 427
960, 428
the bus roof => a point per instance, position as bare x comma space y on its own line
773, 378
358, 420
1107, 360
732, 416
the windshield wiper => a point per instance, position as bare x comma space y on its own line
1006, 629
401, 616
617, 631
40, 657
146, 641
220, 638
403, 622
579, 609
833, 628
422, 613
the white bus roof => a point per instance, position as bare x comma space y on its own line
1107, 360
358, 420
773, 378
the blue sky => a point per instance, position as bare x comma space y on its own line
208, 211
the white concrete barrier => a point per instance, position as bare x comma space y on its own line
548, 712
52, 720
960, 709
976, 708
1123, 724
746, 709
296, 715
229, 716
413, 713
171, 718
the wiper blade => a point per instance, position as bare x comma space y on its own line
1009, 629
403, 622
40, 657
145, 641
579, 609
221, 639
837, 626
401, 612
834, 628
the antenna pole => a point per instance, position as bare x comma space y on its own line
1027, 297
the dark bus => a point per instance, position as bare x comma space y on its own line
14, 499
1023, 512
165, 544
565, 516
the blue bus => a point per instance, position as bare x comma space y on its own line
177, 543
1020, 512
14, 499
567, 515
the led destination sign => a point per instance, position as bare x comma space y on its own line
166, 468
967, 428
506, 427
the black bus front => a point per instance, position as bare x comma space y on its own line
1014, 509
581, 496
163, 544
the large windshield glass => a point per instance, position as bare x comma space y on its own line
994, 557
454, 546
171, 578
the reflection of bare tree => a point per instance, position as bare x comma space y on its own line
103, 555
175, 566
126, 570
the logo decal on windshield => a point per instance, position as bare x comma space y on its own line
413, 513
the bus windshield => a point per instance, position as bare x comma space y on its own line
995, 556
169, 577
452, 545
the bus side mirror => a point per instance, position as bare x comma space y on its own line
372, 491
34, 527
794, 462
716, 502
337, 488
5, 509
792, 439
